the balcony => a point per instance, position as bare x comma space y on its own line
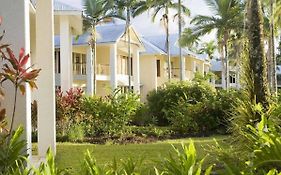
103, 69
176, 74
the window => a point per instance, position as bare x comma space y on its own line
123, 65
79, 63
232, 79
57, 61
158, 64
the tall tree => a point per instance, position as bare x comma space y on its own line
163, 7
227, 18
95, 13
257, 59
127, 8
208, 48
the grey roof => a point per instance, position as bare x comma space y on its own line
159, 41
216, 66
60, 6
109, 33
151, 49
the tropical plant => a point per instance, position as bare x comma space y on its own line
208, 48
227, 18
68, 110
184, 163
257, 61
12, 151
164, 6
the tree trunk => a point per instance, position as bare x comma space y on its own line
168, 43
257, 60
128, 23
273, 57
182, 59
94, 48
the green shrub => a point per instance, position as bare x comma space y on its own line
143, 117
76, 133
170, 95
151, 131
109, 115
68, 109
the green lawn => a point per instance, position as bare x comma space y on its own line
71, 155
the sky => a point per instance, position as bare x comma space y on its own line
144, 25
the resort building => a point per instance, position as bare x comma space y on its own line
111, 61
154, 66
32, 25
219, 80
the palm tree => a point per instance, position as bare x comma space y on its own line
257, 60
228, 18
95, 13
163, 6
129, 7
208, 48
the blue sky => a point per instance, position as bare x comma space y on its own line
145, 26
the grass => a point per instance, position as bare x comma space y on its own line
71, 155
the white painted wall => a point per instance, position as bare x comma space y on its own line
16, 22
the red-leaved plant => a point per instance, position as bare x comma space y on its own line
17, 72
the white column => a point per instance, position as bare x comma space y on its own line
66, 54
16, 22
46, 80
136, 70
113, 66
90, 72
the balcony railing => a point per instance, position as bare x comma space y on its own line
103, 69
176, 73
79, 68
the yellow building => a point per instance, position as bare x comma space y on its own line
154, 67
111, 61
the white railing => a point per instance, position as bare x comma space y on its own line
103, 69
79, 69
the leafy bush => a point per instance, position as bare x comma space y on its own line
68, 110
193, 107
151, 131
170, 95
143, 117
76, 133
109, 115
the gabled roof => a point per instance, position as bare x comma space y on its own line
159, 42
151, 49
109, 33
59, 6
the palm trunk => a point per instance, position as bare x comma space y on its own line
129, 46
269, 63
182, 59
94, 48
257, 60
273, 58
226, 60
168, 43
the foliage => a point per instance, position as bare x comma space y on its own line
192, 107
174, 93
76, 132
68, 110
12, 151
184, 163
143, 117
109, 115
127, 167
151, 131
